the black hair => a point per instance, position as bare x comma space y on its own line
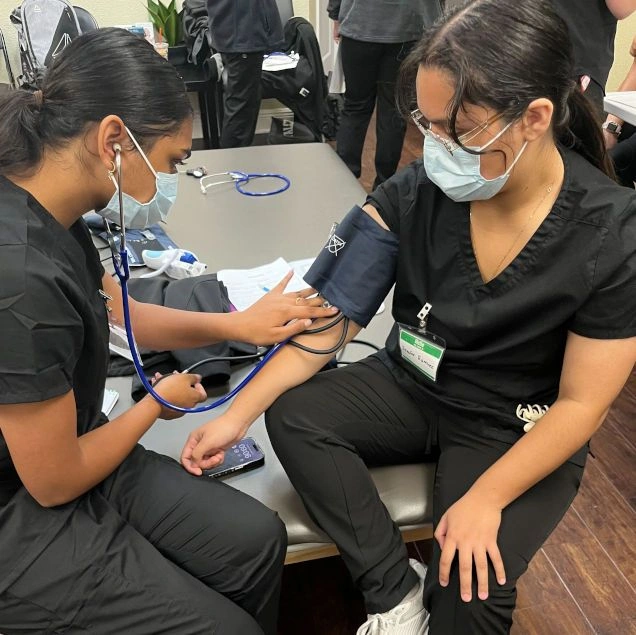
104, 72
503, 54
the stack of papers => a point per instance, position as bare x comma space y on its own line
246, 286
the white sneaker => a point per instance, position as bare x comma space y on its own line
407, 618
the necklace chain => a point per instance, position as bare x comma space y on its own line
514, 242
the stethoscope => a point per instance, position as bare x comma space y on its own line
122, 271
240, 179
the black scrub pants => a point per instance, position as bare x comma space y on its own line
328, 431
623, 155
241, 98
151, 550
370, 72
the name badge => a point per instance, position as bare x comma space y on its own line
424, 351
118, 342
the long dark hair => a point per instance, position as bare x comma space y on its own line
504, 54
105, 72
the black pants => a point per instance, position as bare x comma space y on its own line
241, 98
326, 434
151, 550
370, 72
623, 155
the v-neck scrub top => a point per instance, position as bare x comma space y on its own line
506, 338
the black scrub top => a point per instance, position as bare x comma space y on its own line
506, 339
53, 322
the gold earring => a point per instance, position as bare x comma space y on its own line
111, 172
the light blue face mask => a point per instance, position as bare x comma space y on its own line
141, 215
458, 174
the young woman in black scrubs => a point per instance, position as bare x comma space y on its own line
513, 230
97, 534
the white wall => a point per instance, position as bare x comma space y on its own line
106, 12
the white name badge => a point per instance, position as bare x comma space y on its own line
118, 342
424, 351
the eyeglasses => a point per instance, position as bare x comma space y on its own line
424, 126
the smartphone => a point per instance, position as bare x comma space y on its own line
245, 455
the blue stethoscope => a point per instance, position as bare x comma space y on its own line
240, 179
122, 270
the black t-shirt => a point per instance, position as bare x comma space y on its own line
592, 31
245, 26
53, 322
506, 339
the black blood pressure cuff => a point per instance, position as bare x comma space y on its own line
356, 268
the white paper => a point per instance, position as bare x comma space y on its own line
246, 286
280, 61
110, 399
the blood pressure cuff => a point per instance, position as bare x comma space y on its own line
356, 268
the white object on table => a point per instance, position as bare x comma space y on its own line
110, 399
622, 104
246, 286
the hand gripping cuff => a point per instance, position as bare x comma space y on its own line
356, 268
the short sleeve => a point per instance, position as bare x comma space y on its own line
396, 195
610, 310
41, 331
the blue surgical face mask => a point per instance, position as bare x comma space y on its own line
458, 174
141, 215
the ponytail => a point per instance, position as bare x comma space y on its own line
580, 129
21, 146
104, 72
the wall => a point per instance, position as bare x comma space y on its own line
622, 59
107, 13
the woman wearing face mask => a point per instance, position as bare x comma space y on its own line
513, 256
98, 535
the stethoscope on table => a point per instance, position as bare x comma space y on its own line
122, 271
240, 179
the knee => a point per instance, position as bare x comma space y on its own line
267, 532
359, 105
450, 615
281, 417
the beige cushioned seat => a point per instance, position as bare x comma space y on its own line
406, 490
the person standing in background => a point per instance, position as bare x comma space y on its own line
243, 31
592, 26
619, 136
375, 36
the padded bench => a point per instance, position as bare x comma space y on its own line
406, 490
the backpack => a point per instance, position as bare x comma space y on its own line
302, 89
196, 31
45, 28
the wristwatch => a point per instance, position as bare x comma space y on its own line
613, 128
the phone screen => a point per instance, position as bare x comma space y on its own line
244, 455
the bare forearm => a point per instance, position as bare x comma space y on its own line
555, 438
101, 450
162, 328
629, 83
288, 368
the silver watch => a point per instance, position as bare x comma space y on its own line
613, 128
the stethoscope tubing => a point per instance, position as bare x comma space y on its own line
144, 380
122, 271
243, 178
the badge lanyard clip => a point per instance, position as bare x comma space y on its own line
422, 316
